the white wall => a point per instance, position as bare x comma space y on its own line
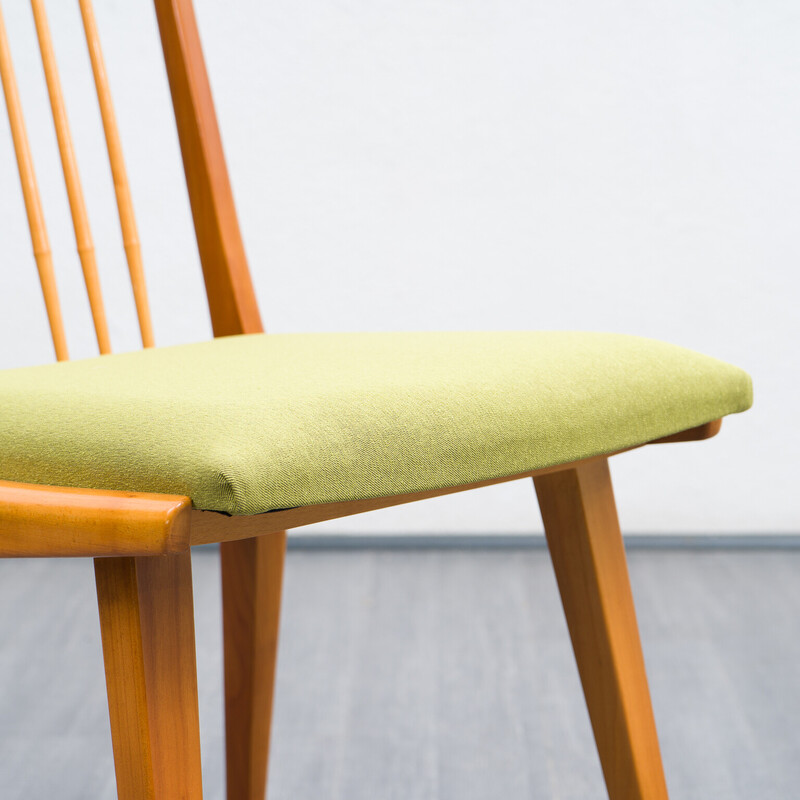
401, 164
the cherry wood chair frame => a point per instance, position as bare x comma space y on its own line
141, 542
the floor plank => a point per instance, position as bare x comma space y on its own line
438, 675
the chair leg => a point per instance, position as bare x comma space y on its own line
252, 571
580, 521
147, 627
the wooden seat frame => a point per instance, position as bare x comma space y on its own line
141, 547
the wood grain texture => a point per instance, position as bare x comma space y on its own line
147, 628
80, 218
229, 287
55, 521
30, 193
130, 235
583, 535
252, 575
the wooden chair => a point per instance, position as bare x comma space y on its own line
141, 540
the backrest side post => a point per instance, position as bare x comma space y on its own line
229, 287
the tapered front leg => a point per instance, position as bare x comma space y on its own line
147, 626
252, 572
582, 529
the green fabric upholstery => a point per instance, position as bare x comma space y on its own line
247, 424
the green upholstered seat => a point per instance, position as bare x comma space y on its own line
247, 424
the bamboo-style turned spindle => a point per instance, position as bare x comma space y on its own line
69, 164
130, 236
30, 192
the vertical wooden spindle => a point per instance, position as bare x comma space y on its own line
130, 236
30, 192
69, 164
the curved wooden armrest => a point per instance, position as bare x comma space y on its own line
57, 521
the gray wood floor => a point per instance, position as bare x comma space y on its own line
433, 675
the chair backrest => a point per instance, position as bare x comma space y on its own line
229, 288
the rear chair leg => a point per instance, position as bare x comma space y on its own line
147, 627
580, 521
252, 571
